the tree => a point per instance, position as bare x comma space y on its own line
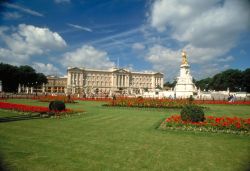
28, 75
171, 85
11, 76
204, 83
233, 79
41, 79
246, 80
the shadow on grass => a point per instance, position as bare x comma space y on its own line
21, 118
3, 165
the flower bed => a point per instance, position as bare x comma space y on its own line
148, 103
23, 108
223, 124
31, 109
166, 103
98, 99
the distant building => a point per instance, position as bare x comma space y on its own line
55, 84
92, 81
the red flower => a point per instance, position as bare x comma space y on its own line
233, 123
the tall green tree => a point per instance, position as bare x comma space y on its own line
9, 77
171, 85
246, 80
233, 79
204, 83
12, 76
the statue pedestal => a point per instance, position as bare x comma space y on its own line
185, 87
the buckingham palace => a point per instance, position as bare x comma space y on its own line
114, 80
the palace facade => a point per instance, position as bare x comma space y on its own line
55, 84
92, 81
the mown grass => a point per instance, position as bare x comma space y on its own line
107, 138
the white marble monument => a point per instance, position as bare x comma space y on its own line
184, 87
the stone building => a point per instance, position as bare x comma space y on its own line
55, 84
107, 82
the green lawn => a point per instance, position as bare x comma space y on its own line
118, 139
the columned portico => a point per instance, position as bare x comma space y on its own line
111, 81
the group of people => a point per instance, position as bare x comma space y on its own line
231, 98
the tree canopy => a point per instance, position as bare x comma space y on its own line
11, 76
169, 84
233, 79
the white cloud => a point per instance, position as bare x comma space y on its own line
80, 27
164, 60
11, 57
204, 55
176, 13
138, 46
202, 23
26, 41
209, 70
47, 69
207, 30
62, 1
218, 26
87, 56
226, 59
23, 9
159, 54
168, 60
11, 15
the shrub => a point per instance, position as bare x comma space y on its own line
57, 105
190, 99
192, 113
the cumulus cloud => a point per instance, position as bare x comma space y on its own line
226, 59
208, 70
203, 55
164, 60
87, 56
207, 30
159, 53
138, 46
27, 40
11, 57
202, 23
168, 61
47, 69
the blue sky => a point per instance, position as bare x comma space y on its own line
140, 35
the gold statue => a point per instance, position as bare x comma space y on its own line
184, 57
